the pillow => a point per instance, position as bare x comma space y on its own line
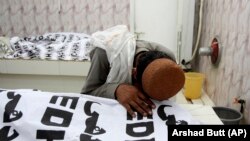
162, 79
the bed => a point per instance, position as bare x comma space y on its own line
51, 62
28, 114
48, 46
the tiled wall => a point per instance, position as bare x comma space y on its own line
230, 21
29, 17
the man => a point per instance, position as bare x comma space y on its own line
130, 95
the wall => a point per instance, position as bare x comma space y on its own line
230, 20
156, 20
168, 22
32, 17
29, 17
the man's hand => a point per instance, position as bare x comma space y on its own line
132, 98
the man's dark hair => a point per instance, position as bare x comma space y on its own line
145, 59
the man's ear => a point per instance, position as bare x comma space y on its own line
134, 73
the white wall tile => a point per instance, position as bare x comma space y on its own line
230, 20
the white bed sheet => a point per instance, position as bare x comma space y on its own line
27, 115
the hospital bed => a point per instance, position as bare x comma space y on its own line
28, 114
53, 62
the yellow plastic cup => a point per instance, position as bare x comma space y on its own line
193, 85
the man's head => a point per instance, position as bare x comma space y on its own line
158, 75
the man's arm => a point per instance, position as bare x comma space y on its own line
132, 99
97, 75
126, 94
